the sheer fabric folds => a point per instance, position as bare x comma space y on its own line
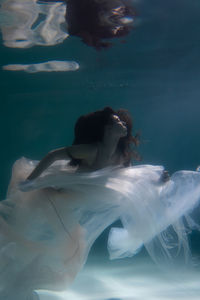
48, 225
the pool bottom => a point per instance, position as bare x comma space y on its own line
138, 279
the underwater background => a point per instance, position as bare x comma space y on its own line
155, 74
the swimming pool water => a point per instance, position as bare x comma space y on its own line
154, 74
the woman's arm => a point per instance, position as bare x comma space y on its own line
86, 152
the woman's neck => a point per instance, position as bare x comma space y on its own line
106, 151
106, 154
110, 143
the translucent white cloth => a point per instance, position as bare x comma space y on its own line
49, 224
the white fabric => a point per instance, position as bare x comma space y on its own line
49, 224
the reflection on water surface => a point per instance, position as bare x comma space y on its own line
29, 23
49, 66
45, 23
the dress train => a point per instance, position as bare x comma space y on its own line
49, 224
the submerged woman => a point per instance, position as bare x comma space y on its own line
74, 193
102, 139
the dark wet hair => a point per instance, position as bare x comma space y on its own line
96, 21
90, 129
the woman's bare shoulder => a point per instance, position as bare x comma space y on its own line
83, 151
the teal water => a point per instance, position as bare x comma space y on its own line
155, 75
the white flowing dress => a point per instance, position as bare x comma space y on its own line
48, 225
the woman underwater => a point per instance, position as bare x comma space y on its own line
50, 221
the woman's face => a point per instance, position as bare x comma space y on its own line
118, 127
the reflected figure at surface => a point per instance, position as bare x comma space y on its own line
98, 21
26, 23
56, 208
